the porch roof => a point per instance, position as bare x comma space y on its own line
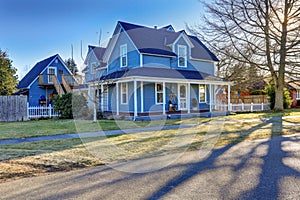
150, 72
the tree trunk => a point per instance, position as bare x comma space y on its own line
279, 95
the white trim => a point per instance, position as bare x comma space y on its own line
205, 94
210, 98
164, 98
156, 92
48, 72
203, 60
158, 55
123, 55
297, 94
185, 56
142, 96
141, 60
102, 97
93, 67
185, 37
117, 99
126, 92
228, 98
135, 98
112, 44
171, 80
186, 97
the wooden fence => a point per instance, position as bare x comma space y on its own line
13, 108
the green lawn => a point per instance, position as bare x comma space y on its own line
30, 159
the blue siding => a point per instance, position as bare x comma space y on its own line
133, 56
156, 61
89, 76
35, 91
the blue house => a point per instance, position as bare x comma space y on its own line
47, 78
146, 71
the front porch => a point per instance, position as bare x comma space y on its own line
144, 98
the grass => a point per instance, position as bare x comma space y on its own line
31, 159
9, 130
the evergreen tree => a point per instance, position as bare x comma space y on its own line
8, 77
70, 63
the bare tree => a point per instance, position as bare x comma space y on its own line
259, 33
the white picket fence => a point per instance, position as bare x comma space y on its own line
251, 107
35, 112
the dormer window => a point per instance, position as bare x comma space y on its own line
182, 56
123, 55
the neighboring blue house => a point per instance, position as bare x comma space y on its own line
153, 71
46, 79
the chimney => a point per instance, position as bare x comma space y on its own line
155, 27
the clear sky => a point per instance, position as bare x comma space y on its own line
32, 30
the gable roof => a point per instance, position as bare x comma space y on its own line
35, 71
159, 41
99, 51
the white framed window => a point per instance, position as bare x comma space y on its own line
124, 93
202, 93
123, 55
159, 93
51, 74
297, 94
93, 67
182, 56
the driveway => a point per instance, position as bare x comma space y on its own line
261, 169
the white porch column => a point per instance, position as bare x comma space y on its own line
102, 96
228, 98
117, 99
189, 98
142, 97
164, 98
210, 98
135, 98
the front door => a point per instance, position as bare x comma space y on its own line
182, 91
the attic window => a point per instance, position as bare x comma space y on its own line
182, 56
123, 55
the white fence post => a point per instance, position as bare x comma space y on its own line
262, 106
243, 108
251, 109
50, 110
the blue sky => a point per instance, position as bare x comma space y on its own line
32, 30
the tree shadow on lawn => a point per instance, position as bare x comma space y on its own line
273, 170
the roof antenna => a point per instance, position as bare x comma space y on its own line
81, 50
100, 35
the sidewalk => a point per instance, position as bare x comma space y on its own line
92, 134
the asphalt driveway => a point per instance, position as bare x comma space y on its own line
261, 169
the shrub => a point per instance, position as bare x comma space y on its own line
270, 91
71, 105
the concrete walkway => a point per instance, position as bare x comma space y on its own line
92, 134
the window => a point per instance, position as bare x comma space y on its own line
182, 56
123, 55
159, 93
52, 74
202, 93
93, 69
297, 94
124, 92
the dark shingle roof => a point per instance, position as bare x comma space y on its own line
35, 71
158, 41
162, 73
99, 51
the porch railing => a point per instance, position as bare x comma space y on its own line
35, 112
251, 107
